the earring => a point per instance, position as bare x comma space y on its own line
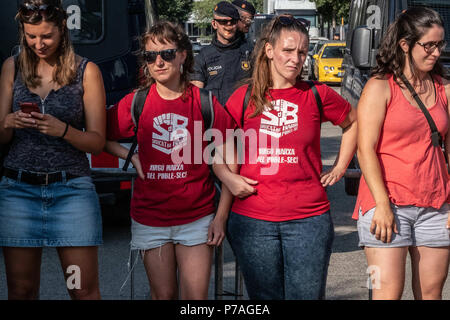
181, 69
146, 72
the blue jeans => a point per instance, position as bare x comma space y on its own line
282, 260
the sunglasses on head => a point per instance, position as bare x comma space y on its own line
226, 22
167, 55
289, 20
430, 46
28, 10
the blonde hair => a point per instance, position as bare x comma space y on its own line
66, 68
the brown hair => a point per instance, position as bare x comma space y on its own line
261, 76
410, 25
165, 31
65, 71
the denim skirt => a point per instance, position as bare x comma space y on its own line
60, 214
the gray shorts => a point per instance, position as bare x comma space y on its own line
191, 234
417, 227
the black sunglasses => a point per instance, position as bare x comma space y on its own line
167, 55
227, 22
290, 20
429, 47
27, 10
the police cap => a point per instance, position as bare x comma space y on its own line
245, 6
226, 9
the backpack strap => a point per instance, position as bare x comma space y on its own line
317, 96
245, 103
137, 106
207, 108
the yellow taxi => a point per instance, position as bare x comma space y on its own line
328, 62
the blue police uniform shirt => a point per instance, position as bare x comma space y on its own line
220, 67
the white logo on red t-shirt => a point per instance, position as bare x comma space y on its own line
171, 132
282, 120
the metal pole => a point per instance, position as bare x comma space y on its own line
238, 283
132, 254
132, 277
151, 13
218, 274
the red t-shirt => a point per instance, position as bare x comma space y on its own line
286, 159
173, 192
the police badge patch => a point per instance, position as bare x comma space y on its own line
245, 65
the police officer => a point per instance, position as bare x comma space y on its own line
246, 12
220, 66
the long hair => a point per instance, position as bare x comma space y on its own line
261, 76
410, 25
167, 32
65, 71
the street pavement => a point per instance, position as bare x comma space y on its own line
347, 276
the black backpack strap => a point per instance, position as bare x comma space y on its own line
207, 108
247, 96
317, 96
137, 106
436, 138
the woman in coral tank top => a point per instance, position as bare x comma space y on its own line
402, 202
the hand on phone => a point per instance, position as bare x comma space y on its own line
23, 118
28, 107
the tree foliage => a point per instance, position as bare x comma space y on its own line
203, 12
258, 4
174, 10
333, 10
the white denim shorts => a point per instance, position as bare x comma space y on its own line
191, 234
416, 226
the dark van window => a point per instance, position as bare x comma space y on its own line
257, 27
85, 20
441, 6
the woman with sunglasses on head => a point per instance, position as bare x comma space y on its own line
281, 229
172, 209
47, 198
402, 202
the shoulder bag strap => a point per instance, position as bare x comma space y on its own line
436, 138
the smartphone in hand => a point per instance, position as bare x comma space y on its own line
28, 107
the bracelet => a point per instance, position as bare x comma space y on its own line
65, 131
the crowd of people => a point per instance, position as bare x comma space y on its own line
275, 214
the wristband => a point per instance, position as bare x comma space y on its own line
65, 131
